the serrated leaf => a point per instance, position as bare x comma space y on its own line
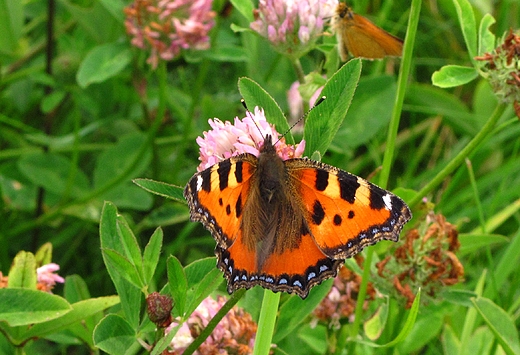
453, 75
178, 283
254, 95
324, 120
151, 254
129, 294
161, 188
123, 267
23, 306
102, 63
114, 335
129, 246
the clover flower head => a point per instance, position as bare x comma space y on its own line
165, 27
246, 135
47, 278
292, 26
503, 69
425, 260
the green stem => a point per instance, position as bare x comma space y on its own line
404, 72
266, 322
235, 297
298, 69
459, 158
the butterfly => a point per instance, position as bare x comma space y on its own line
287, 225
361, 38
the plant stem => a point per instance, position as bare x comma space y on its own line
459, 158
266, 323
404, 72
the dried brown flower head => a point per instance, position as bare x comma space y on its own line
426, 259
503, 70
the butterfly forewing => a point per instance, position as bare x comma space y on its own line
346, 213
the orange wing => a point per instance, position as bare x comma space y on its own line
359, 36
216, 196
346, 213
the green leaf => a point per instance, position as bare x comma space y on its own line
116, 159
161, 188
450, 342
486, 38
245, 7
11, 24
129, 294
114, 335
453, 75
54, 173
51, 101
43, 255
123, 267
295, 310
203, 278
500, 323
405, 329
254, 95
178, 283
468, 25
325, 119
23, 271
23, 307
470, 243
129, 246
152, 252
375, 325
369, 113
80, 311
75, 289
102, 63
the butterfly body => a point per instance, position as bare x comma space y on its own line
361, 38
289, 224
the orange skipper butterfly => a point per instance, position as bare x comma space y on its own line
361, 38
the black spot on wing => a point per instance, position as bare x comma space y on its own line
337, 220
322, 179
351, 214
376, 197
348, 185
224, 167
238, 171
318, 214
206, 181
228, 210
238, 206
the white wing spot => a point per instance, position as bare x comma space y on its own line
199, 182
387, 199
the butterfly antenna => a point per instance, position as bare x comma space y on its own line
320, 100
243, 102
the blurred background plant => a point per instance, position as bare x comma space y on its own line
96, 93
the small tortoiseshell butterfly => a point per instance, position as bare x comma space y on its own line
287, 225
